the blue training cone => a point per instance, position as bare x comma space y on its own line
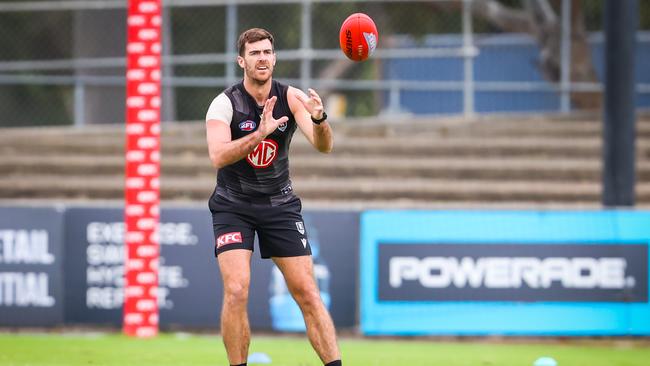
259, 357
545, 361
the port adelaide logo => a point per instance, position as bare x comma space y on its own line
301, 227
247, 125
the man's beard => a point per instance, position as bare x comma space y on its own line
250, 72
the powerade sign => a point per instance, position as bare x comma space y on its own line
512, 272
505, 272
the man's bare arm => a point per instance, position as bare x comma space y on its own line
303, 108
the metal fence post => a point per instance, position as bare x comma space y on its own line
231, 40
168, 106
619, 117
394, 100
468, 58
79, 100
305, 45
565, 68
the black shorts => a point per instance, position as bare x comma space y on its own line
280, 229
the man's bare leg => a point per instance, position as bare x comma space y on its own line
235, 330
299, 275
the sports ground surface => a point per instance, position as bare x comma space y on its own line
186, 349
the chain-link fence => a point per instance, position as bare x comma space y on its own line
62, 62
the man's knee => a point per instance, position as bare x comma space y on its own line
308, 298
235, 293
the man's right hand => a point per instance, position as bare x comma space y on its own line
268, 124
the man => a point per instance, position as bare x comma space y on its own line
249, 129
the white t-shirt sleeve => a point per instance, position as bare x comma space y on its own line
220, 109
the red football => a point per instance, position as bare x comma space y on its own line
358, 37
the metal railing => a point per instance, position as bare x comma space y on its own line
29, 72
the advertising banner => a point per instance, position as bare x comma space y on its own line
334, 240
31, 255
505, 273
190, 289
188, 284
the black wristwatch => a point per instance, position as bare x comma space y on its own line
319, 121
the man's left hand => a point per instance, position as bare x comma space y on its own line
313, 104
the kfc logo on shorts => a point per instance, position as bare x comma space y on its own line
247, 125
264, 154
229, 238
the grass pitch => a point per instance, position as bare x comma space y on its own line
183, 349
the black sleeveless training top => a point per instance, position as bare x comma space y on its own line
262, 176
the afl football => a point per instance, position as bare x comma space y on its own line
358, 37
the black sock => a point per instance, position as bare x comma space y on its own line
241, 364
335, 363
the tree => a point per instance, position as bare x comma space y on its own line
541, 19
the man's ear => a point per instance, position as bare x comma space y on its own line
240, 61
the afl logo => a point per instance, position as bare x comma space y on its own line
263, 155
247, 125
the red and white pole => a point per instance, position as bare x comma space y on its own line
142, 188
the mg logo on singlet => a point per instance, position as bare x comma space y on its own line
263, 155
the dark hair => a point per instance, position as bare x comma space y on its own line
253, 35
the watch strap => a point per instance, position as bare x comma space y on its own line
319, 121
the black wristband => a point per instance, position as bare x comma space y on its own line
319, 121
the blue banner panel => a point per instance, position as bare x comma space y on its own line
505, 272
31, 253
189, 286
190, 292
333, 237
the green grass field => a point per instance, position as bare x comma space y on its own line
183, 349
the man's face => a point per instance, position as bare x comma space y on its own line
258, 61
